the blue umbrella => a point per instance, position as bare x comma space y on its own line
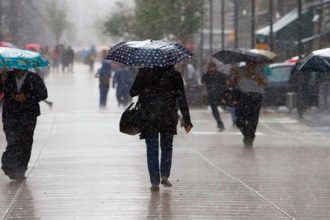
13, 58
148, 53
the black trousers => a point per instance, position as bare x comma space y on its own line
247, 114
214, 103
19, 132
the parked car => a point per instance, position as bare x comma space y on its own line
278, 84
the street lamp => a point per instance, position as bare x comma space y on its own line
211, 26
0, 19
271, 33
222, 24
236, 22
253, 20
300, 29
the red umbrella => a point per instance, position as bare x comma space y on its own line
32, 46
6, 44
293, 60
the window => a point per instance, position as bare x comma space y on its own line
280, 74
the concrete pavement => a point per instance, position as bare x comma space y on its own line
83, 168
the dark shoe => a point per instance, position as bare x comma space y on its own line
154, 187
221, 127
17, 176
165, 182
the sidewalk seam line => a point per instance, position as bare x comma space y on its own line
20, 188
244, 184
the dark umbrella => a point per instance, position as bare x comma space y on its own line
240, 55
148, 53
317, 61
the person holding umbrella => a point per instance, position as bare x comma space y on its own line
159, 91
23, 90
252, 84
318, 63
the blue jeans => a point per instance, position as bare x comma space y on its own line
103, 95
232, 113
166, 146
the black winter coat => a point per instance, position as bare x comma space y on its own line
34, 89
215, 83
161, 94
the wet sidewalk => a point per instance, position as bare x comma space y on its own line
83, 168
317, 118
313, 117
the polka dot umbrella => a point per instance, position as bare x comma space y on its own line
148, 53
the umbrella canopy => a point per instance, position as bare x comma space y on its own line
32, 46
271, 55
6, 44
317, 61
148, 53
240, 55
294, 59
20, 59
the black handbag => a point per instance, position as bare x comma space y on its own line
231, 97
130, 121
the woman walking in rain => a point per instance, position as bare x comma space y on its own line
252, 84
160, 92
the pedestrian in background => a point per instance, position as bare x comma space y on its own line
190, 74
104, 76
56, 57
90, 58
122, 81
299, 82
23, 91
71, 55
234, 73
65, 60
215, 83
252, 84
160, 92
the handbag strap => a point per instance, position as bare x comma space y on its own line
130, 105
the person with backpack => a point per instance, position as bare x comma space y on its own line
161, 93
